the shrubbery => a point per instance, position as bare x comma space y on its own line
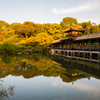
9, 48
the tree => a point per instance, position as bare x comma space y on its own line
14, 26
99, 27
87, 26
68, 22
8, 35
28, 41
95, 29
7, 32
51, 29
3, 24
54, 30
28, 29
43, 39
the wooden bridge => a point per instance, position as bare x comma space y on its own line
74, 45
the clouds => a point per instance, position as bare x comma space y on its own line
80, 86
51, 11
84, 6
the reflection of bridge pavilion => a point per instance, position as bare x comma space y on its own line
75, 45
78, 69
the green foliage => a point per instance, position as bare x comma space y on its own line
68, 22
95, 29
7, 48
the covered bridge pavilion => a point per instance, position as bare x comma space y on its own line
89, 43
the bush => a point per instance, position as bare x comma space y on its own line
7, 48
11, 48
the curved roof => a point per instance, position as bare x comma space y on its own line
78, 38
74, 28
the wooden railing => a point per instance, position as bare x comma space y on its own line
87, 48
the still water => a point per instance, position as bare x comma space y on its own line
39, 77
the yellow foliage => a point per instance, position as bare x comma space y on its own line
22, 42
43, 39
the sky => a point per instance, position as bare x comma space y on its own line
49, 11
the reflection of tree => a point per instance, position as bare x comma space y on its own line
7, 59
36, 65
31, 67
4, 93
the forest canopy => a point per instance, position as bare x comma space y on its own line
37, 35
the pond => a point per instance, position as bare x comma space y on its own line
40, 77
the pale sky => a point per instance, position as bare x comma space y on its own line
49, 11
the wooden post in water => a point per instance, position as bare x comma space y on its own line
67, 53
98, 56
73, 53
83, 54
99, 42
90, 56
78, 54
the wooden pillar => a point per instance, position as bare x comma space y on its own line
60, 46
78, 54
83, 44
92, 42
86, 43
83, 54
73, 53
52, 45
67, 53
64, 46
99, 42
98, 56
78, 45
90, 55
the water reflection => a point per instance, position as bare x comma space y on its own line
43, 78
78, 66
36, 65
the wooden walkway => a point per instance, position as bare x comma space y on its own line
78, 54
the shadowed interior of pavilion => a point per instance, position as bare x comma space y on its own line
76, 45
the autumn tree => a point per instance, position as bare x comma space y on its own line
99, 27
3, 24
28, 29
27, 41
54, 30
87, 26
43, 39
51, 29
68, 22
94, 29
9, 35
14, 26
